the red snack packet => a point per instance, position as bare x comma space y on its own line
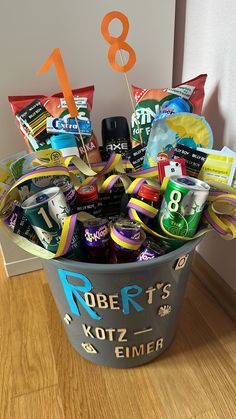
31, 113
150, 101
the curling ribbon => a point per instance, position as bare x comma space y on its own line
221, 215
115, 162
126, 242
142, 207
111, 180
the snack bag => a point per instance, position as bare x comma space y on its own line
32, 113
150, 102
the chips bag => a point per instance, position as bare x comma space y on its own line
32, 113
149, 103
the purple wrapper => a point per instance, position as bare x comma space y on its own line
96, 236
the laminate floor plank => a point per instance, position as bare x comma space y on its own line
5, 348
210, 361
42, 404
215, 317
33, 362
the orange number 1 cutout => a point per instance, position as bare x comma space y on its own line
56, 59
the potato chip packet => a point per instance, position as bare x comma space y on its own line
149, 103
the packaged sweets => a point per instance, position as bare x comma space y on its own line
34, 113
150, 102
182, 128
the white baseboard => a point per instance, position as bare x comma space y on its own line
22, 266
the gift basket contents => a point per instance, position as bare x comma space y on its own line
152, 186
117, 224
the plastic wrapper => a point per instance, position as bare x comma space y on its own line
149, 103
31, 114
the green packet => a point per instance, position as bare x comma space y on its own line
6, 176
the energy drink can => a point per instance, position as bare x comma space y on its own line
182, 206
46, 211
16, 220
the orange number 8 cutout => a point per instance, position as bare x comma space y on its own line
118, 42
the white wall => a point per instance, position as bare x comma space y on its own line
29, 31
205, 43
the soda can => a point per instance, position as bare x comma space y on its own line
69, 192
16, 220
184, 200
46, 212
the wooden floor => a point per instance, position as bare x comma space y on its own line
41, 376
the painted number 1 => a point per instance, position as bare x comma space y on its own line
45, 217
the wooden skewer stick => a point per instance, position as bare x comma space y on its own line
82, 141
131, 97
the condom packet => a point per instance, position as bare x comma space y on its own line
194, 159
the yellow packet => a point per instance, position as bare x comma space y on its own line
218, 168
32, 161
5, 175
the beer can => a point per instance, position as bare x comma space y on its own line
46, 212
184, 200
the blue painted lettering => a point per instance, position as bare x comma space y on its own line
127, 298
72, 291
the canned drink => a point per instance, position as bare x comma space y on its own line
46, 212
182, 206
69, 192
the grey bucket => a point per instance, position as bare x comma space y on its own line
124, 315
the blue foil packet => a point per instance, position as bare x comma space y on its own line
68, 125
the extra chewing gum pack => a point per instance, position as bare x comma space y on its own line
39, 117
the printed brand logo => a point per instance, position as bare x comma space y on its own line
119, 146
146, 255
143, 115
64, 125
97, 235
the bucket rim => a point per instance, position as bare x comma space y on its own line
126, 267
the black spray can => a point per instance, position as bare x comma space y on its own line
116, 136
